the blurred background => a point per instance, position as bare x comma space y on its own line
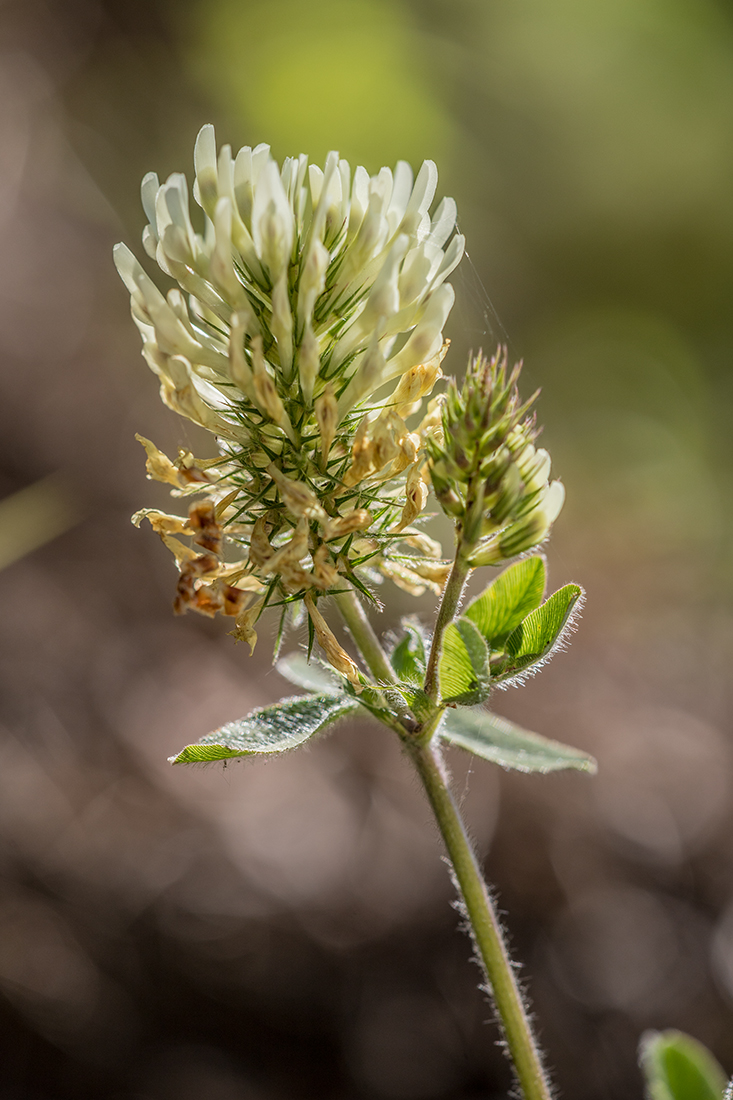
284, 931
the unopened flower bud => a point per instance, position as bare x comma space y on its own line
282, 325
265, 391
326, 411
308, 364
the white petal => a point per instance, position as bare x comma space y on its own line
260, 157
443, 223
225, 171
272, 222
204, 159
401, 190
418, 270
554, 500
422, 195
128, 267
150, 241
384, 297
427, 336
453, 256
359, 200
315, 182
382, 186
243, 183
148, 191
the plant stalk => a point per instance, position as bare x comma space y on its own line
448, 605
484, 922
482, 916
366, 640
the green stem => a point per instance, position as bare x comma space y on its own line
362, 632
397, 717
422, 748
448, 606
484, 921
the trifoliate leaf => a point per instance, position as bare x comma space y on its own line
540, 632
677, 1067
500, 741
272, 729
310, 675
508, 600
463, 672
408, 656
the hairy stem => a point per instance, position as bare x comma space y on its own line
485, 926
448, 605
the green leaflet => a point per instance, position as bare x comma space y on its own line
310, 675
508, 599
277, 728
500, 741
408, 656
538, 634
677, 1067
463, 672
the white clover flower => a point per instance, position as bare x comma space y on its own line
301, 294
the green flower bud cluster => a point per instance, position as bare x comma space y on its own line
486, 471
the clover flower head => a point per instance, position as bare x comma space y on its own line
485, 469
304, 296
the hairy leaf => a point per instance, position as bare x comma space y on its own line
416, 699
311, 675
540, 632
374, 700
500, 741
463, 672
272, 729
508, 599
677, 1067
408, 656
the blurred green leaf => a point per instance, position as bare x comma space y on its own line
540, 632
497, 739
34, 516
277, 728
408, 656
463, 672
678, 1067
311, 675
508, 600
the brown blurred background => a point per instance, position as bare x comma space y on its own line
283, 931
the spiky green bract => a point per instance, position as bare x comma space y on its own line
486, 471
